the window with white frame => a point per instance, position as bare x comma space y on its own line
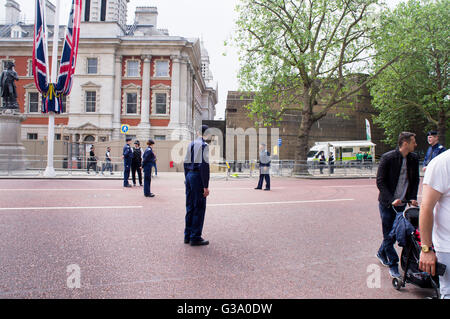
162, 68
32, 136
90, 101
5, 64
30, 68
33, 102
133, 68
160, 137
132, 103
92, 65
160, 103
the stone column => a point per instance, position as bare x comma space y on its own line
145, 100
175, 93
117, 98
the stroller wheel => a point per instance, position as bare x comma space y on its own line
396, 283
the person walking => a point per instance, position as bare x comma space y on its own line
147, 164
196, 172
264, 167
136, 163
434, 149
397, 182
108, 162
434, 220
127, 155
92, 160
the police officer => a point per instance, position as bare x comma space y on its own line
264, 167
127, 157
434, 150
147, 164
136, 163
196, 172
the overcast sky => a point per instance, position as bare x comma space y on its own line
211, 20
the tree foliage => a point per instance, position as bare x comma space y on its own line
294, 53
415, 89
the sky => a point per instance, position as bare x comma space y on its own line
210, 20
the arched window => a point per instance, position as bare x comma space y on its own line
89, 138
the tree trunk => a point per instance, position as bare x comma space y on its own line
306, 123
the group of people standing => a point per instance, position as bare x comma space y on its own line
135, 159
398, 182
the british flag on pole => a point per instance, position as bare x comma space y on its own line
52, 93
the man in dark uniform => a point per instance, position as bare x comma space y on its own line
127, 157
136, 163
147, 164
434, 150
196, 172
264, 167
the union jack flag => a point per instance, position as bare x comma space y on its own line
52, 93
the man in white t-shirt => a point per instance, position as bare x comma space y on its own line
434, 220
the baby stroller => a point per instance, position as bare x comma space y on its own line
409, 259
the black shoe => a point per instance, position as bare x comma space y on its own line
128, 185
150, 195
257, 188
267, 189
187, 240
200, 242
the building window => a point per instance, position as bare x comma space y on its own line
32, 136
131, 103
92, 65
57, 137
133, 68
91, 99
30, 68
87, 10
162, 68
64, 104
103, 11
161, 105
5, 64
160, 137
33, 102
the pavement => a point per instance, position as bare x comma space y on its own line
305, 238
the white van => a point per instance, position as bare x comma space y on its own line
344, 151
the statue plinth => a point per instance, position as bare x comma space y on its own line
12, 151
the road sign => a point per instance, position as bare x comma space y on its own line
124, 128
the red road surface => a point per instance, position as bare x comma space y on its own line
303, 239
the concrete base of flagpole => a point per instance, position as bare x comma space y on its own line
12, 151
50, 170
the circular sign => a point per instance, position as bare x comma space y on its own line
124, 128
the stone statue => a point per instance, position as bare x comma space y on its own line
8, 88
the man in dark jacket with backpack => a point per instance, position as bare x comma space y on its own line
398, 183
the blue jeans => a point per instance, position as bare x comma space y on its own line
387, 250
195, 206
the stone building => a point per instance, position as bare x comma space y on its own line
158, 84
347, 122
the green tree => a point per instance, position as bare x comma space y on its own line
295, 53
415, 89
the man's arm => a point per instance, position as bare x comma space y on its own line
430, 197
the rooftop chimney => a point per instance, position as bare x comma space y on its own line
146, 16
12, 12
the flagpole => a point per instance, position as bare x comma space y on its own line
50, 170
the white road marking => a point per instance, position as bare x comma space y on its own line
348, 186
286, 202
68, 208
61, 189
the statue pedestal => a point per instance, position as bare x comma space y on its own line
12, 151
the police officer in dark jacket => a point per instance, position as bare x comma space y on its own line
147, 164
127, 157
136, 163
398, 182
196, 172
264, 167
435, 148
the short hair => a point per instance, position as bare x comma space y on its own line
128, 139
405, 137
150, 142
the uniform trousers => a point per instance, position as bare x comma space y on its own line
195, 206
